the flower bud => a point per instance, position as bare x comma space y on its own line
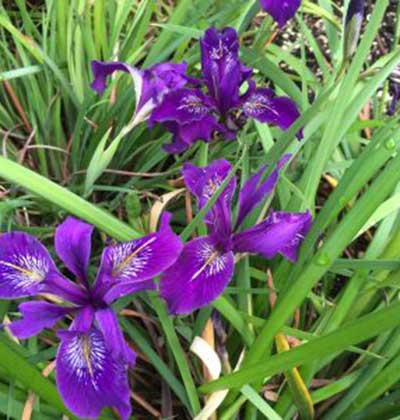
354, 18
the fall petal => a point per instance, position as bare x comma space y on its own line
139, 260
88, 377
25, 265
198, 277
254, 191
262, 105
280, 233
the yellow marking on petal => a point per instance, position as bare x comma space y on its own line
210, 188
22, 270
210, 259
120, 267
86, 353
212, 185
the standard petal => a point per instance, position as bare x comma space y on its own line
280, 233
139, 260
262, 105
73, 245
108, 324
25, 265
281, 11
203, 183
198, 277
36, 317
221, 67
89, 378
254, 191
163, 78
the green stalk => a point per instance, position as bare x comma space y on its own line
382, 382
389, 345
355, 332
321, 262
67, 200
330, 137
176, 348
18, 368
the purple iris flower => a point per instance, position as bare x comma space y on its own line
206, 264
191, 115
281, 10
150, 85
92, 359
166, 95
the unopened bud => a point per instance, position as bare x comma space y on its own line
354, 19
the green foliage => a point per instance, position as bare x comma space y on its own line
62, 144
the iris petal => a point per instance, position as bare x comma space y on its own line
185, 135
113, 335
183, 106
88, 377
25, 265
253, 192
262, 105
282, 10
188, 115
280, 233
136, 262
150, 85
203, 183
73, 245
36, 317
198, 277
221, 67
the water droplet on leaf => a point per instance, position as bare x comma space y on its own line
324, 259
390, 144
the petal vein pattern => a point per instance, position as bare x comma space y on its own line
86, 354
128, 262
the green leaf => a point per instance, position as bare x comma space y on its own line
100, 160
18, 368
352, 333
65, 199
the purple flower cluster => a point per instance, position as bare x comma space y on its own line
93, 357
195, 109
